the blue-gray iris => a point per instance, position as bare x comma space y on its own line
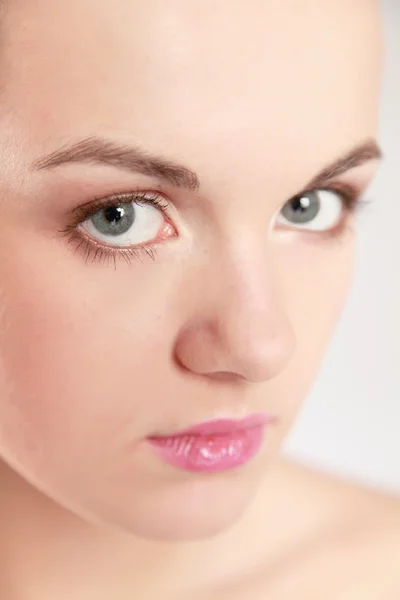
115, 220
302, 209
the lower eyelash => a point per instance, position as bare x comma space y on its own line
353, 203
95, 253
353, 206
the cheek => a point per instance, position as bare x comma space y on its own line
78, 368
79, 356
319, 289
314, 284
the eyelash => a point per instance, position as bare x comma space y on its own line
353, 202
97, 252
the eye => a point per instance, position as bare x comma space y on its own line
319, 210
126, 223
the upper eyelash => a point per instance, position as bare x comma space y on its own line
99, 252
348, 193
87, 210
352, 200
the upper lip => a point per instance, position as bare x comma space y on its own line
222, 426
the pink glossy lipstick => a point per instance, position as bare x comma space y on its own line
213, 446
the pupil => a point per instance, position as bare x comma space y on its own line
301, 204
114, 220
114, 213
301, 209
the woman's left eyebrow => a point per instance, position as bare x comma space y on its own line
360, 154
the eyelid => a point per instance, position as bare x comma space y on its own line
99, 251
349, 192
351, 196
87, 210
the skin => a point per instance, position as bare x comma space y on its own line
95, 358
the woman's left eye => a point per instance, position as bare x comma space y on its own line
319, 210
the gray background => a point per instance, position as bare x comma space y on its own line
350, 423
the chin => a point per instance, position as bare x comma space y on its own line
164, 507
187, 510
195, 509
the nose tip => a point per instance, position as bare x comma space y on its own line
260, 354
233, 350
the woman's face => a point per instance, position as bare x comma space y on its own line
142, 319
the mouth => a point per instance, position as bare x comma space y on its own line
213, 446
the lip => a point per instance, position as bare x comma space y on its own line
213, 446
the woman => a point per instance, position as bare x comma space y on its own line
179, 186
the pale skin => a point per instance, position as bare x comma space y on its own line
230, 315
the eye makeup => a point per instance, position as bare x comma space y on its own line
95, 251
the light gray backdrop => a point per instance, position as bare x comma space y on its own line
351, 421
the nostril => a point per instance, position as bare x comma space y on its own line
226, 376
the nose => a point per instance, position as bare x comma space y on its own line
239, 329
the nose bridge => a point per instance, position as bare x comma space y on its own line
241, 326
250, 309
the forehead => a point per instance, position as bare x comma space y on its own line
266, 74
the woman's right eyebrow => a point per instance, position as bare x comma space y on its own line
98, 150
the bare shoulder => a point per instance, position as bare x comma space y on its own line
351, 548
370, 545
362, 541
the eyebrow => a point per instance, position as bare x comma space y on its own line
356, 157
97, 150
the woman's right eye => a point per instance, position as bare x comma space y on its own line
126, 224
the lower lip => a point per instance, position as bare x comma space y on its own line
210, 453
